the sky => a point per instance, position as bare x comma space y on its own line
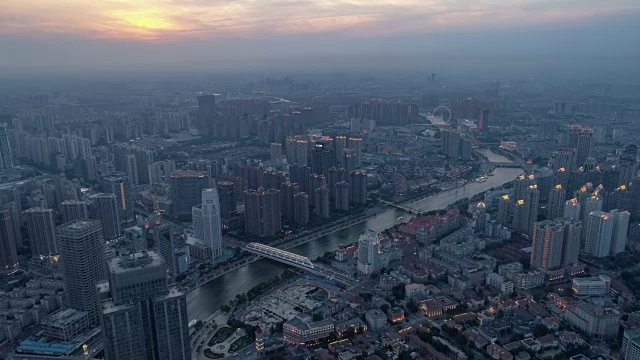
69, 36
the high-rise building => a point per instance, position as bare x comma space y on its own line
158, 235
355, 143
321, 203
521, 184
300, 174
160, 171
628, 164
8, 239
369, 257
287, 191
119, 185
341, 145
316, 181
336, 174
590, 204
581, 138
465, 149
74, 210
630, 349
557, 196
505, 210
571, 241
6, 154
262, 212
321, 158
42, 231
144, 318
350, 160
530, 214
450, 143
301, 208
564, 158
483, 119
104, 207
81, 247
275, 150
572, 209
342, 192
207, 115
547, 246
358, 187
598, 234
619, 232
207, 223
227, 196
131, 169
186, 191
302, 152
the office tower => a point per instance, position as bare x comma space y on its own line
350, 160
158, 235
119, 185
630, 349
619, 232
227, 198
301, 208
521, 184
341, 145
564, 158
598, 234
547, 245
302, 152
6, 155
321, 203
628, 164
131, 169
8, 239
262, 212
74, 210
104, 207
207, 224
207, 115
144, 319
275, 150
42, 231
450, 143
300, 174
581, 138
369, 257
287, 191
160, 171
358, 187
356, 144
505, 210
81, 248
557, 196
571, 241
186, 191
342, 192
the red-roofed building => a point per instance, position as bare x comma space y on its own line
498, 352
427, 229
548, 341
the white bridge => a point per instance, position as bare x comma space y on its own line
300, 262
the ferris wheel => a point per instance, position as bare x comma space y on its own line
443, 112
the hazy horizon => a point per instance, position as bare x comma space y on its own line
532, 38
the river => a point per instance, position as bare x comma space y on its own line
208, 298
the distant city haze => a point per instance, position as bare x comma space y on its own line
586, 38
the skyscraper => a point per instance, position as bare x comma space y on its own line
8, 239
287, 191
369, 258
530, 215
74, 210
341, 144
342, 192
547, 246
262, 212
350, 160
619, 231
521, 184
358, 186
207, 115
598, 234
571, 241
131, 169
227, 198
628, 164
590, 204
301, 208
104, 207
321, 203
144, 318
572, 209
300, 174
207, 224
275, 150
564, 158
6, 155
581, 138
119, 185
158, 234
505, 210
81, 247
557, 197
186, 191
42, 231
355, 143
450, 143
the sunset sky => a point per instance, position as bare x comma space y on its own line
166, 33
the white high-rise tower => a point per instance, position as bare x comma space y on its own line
207, 224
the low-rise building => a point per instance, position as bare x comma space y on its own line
498, 352
591, 286
594, 320
395, 315
300, 331
412, 291
376, 319
66, 324
499, 283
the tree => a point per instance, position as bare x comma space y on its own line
540, 330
